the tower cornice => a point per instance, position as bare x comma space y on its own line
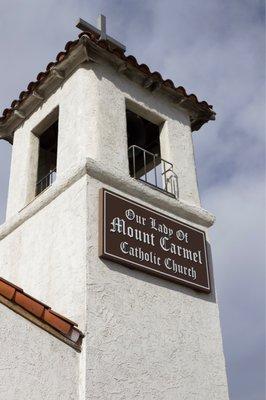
117, 180
90, 48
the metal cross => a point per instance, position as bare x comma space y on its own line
101, 30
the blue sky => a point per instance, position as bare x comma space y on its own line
215, 49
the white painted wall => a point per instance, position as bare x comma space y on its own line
76, 102
177, 146
148, 338
23, 173
46, 255
176, 141
34, 365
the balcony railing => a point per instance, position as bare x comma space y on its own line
45, 182
153, 170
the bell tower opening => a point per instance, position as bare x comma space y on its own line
47, 158
144, 154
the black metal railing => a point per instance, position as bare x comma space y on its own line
45, 182
153, 170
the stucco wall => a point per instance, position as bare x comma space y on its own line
33, 364
115, 92
148, 338
75, 101
46, 254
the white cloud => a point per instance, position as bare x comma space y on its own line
238, 239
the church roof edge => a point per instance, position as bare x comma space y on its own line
203, 112
40, 314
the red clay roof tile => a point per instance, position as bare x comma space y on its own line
64, 318
40, 310
56, 322
205, 107
29, 304
7, 290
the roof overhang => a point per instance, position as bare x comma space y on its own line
88, 48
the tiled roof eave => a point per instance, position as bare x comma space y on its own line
40, 90
86, 48
142, 73
40, 314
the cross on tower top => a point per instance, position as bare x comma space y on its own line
100, 30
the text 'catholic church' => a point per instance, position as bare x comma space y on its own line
104, 225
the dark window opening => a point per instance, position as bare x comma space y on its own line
146, 135
144, 154
47, 158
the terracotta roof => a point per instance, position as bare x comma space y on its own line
49, 319
152, 78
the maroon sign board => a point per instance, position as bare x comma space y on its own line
139, 237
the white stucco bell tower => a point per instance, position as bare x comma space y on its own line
97, 119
